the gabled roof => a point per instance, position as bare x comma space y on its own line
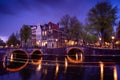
54, 26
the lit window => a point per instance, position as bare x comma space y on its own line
45, 33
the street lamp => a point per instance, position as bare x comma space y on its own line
100, 38
113, 37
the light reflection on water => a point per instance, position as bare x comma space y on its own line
66, 65
115, 73
58, 69
101, 70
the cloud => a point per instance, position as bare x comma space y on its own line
16, 6
4, 38
13, 6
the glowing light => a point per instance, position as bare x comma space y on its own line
57, 69
76, 55
11, 57
38, 42
12, 46
100, 38
6, 46
45, 71
101, 70
65, 40
39, 67
56, 39
117, 42
115, 73
113, 37
66, 64
72, 42
44, 43
45, 33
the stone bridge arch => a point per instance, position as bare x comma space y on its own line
75, 54
15, 60
36, 56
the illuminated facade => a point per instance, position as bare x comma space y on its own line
33, 36
47, 35
50, 35
38, 36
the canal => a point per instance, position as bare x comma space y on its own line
51, 66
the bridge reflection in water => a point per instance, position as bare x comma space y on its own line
72, 65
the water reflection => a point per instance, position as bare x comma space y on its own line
63, 69
57, 69
26, 73
66, 65
39, 67
101, 70
115, 73
11, 57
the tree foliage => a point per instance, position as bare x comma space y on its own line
12, 40
72, 27
76, 31
102, 18
25, 34
88, 36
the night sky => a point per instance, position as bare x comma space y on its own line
15, 13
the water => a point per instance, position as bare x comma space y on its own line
64, 67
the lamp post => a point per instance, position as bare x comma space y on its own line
113, 37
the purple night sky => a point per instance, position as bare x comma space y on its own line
15, 13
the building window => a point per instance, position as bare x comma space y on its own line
45, 33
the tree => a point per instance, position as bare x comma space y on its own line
72, 27
102, 18
88, 36
12, 40
25, 34
75, 28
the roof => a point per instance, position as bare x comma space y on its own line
54, 26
